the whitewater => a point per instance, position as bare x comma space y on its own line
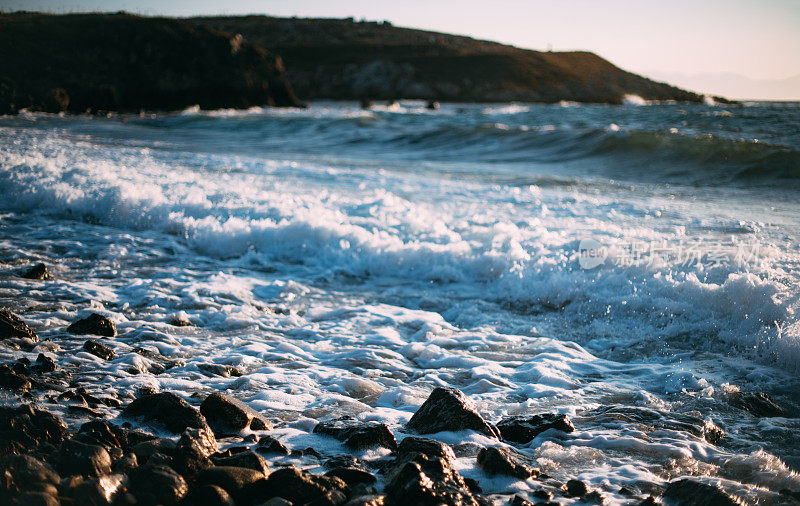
592, 260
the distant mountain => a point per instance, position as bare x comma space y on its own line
736, 86
346, 59
120, 62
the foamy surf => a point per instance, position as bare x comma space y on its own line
350, 282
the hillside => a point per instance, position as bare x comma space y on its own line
345, 59
122, 62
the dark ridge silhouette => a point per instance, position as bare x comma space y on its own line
345, 59
121, 62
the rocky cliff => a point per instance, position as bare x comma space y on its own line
122, 62
345, 59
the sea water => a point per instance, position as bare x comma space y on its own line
598, 261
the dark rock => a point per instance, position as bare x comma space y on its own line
343, 460
25, 427
594, 497
44, 363
301, 487
276, 501
358, 435
125, 463
210, 495
201, 439
75, 457
35, 499
38, 271
426, 446
94, 324
518, 500
111, 437
156, 485
247, 458
97, 492
415, 478
687, 492
268, 444
20, 473
226, 371
522, 429
12, 326
145, 449
98, 349
191, 456
14, 378
576, 488
367, 500
449, 409
495, 460
542, 494
232, 479
352, 476
649, 501
166, 410
227, 415
757, 404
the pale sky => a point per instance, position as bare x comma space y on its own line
755, 39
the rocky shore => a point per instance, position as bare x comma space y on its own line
63, 441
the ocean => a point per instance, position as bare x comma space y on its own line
635, 267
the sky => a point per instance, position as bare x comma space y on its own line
708, 42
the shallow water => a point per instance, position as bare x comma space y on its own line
348, 261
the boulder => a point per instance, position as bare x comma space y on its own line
21, 473
24, 427
425, 446
38, 271
416, 478
302, 487
210, 495
226, 415
153, 485
226, 371
352, 476
689, 492
576, 488
268, 444
94, 324
233, 480
522, 429
201, 439
166, 410
448, 409
12, 326
98, 349
496, 460
74, 457
356, 434
248, 459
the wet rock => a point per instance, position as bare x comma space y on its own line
166, 410
226, 415
576, 488
145, 449
98, 349
98, 492
416, 478
248, 459
757, 404
356, 434
14, 378
496, 460
426, 446
125, 463
276, 501
156, 485
367, 500
712, 432
35, 499
210, 495
94, 324
234, 480
226, 371
449, 409
12, 326
594, 497
352, 476
301, 487
25, 427
343, 460
687, 492
201, 439
518, 500
38, 271
522, 429
75, 457
111, 437
268, 444
20, 473
44, 364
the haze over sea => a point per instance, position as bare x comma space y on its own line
600, 261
